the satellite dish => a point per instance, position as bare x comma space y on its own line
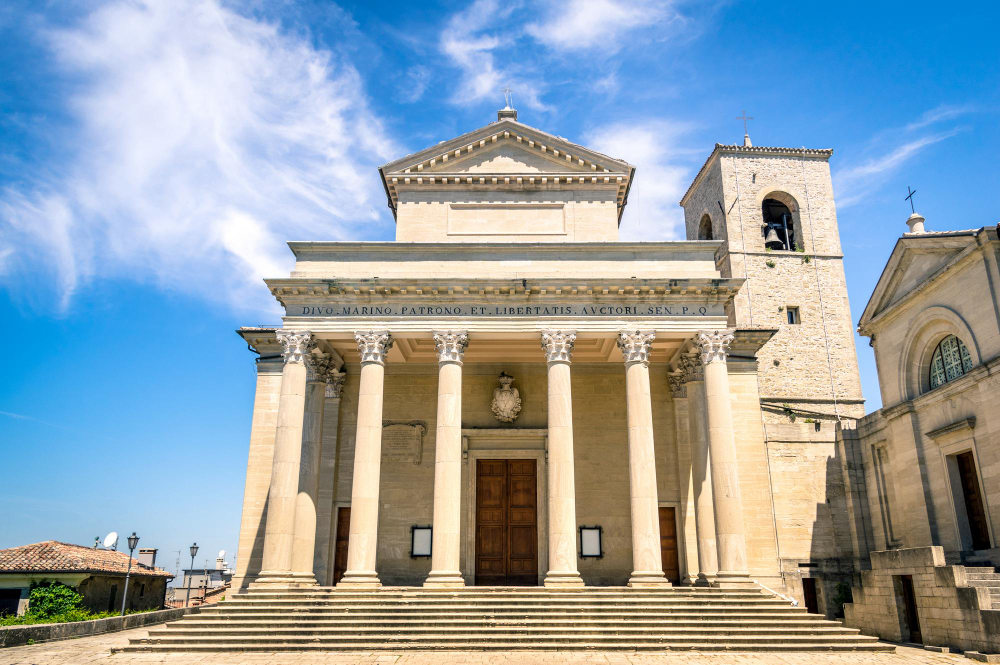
222, 554
111, 540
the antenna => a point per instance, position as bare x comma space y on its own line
111, 540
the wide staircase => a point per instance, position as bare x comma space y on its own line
505, 618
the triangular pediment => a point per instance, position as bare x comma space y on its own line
507, 156
507, 143
914, 260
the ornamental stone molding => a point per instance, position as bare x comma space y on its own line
317, 366
334, 383
451, 346
295, 346
714, 345
691, 367
373, 345
677, 386
506, 400
558, 346
635, 346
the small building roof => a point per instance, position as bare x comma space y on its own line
52, 556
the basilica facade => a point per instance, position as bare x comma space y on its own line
508, 394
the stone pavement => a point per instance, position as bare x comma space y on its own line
97, 649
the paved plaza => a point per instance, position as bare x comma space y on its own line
97, 649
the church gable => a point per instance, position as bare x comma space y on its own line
913, 262
508, 156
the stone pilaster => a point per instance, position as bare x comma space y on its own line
446, 537
558, 347
279, 533
361, 550
728, 503
647, 564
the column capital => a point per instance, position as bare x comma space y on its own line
635, 346
451, 346
373, 345
678, 389
558, 346
317, 365
691, 367
334, 383
295, 345
714, 345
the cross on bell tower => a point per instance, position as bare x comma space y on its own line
746, 133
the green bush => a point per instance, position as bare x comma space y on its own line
48, 599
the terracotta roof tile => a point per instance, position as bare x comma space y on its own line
52, 556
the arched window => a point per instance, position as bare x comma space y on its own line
779, 230
705, 228
951, 360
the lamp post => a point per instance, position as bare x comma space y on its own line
194, 552
133, 540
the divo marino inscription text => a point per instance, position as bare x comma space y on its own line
641, 310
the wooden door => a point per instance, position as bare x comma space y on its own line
668, 544
506, 523
340, 546
809, 596
973, 501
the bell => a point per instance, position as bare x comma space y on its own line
772, 241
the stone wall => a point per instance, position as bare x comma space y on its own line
950, 612
102, 593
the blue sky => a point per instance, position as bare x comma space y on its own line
155, 156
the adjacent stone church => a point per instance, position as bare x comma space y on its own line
508, 394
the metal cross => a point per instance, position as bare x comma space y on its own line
910, 198
744, 118
506, 95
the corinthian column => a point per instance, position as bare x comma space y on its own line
558, 347
363, 540
325, 514
729, 537
701, 473
448, 462
646, 559
304, 541
279, 531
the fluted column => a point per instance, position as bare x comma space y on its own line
362, 546
647, 563
279, 531
304, 541
446, 538
729, 534
701, 472
558, 347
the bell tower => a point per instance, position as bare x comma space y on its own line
773, 208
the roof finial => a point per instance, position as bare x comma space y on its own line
915, 221
508, 112
746, 133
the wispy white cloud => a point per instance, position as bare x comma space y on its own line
662, 175
857, 181
203, 140
471, 39
414, 84
586, 24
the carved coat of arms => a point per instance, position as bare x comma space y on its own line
506, 400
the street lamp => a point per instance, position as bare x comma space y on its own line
194, 552
133, 540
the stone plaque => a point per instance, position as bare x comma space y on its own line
403, 442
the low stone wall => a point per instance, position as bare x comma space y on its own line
951, 613
12, 636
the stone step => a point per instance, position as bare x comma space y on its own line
468, 597
489, 602
279, 611
990, 583
492, 631
519, 647
279, 619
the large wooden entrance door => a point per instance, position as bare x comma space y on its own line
668, 544
973, 501
506, 522
340, 546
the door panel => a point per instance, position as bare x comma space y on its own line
973, 501
340, 547
506, 522
668, 544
